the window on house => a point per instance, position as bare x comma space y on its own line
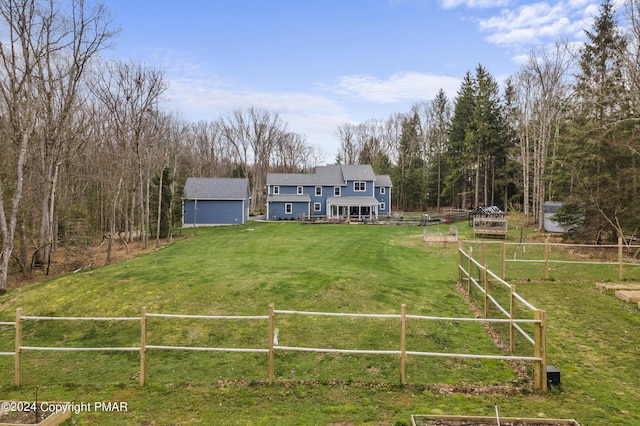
336, 191
276, 190
383, 206
359, 186
318, 190
288, 208
299, 190
382, 190
317, 207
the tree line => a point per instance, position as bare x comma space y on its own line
564, 128
89, 155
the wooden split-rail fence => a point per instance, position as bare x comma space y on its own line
272, 347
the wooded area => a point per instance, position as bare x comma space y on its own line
89, 154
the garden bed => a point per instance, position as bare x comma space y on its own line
440, 420
27, 417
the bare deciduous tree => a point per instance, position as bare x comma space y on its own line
42, 65
254, 133
130, 93
541, 89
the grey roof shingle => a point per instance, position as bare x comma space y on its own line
330, 175
289, 198
324, 175
358, 172
352, 201
216, 188
383, 180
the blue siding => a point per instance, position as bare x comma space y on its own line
347, 190
322, 199
215, 212
384, 198
327, 178
277, 210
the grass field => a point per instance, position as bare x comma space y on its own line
592, 337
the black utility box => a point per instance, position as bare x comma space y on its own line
553, 375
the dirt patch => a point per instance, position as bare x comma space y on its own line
440, 239
518, 366
24, 417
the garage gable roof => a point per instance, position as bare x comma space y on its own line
216, 188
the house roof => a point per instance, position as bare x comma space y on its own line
358, 172
324, 175
329, 175
216, 188
352, 201
292, 198
383, 180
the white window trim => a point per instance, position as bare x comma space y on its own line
299, 190
317, 207
382, 206
382, 190
276, 190
357, 184
318, 191
337, 191
288, 208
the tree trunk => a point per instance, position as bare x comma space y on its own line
159, 221
8, 229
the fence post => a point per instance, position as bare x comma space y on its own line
18, 344
485, 279
512, 316
403, 343
459, 262
503, 260
469, 264
271, 336
143, 346
540, 351
546, 258
483, 253
619, 258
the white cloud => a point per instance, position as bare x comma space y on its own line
312, 115
538, 22
473, 4
404, 86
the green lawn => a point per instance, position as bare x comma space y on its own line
593, 338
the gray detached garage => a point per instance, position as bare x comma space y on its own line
215, 201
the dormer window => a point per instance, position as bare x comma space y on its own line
359, 186
299, 190
276, 190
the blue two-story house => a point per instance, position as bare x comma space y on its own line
333, 191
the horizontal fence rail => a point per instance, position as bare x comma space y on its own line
11, 324
614, 254
271, 332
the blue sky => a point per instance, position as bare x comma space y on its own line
321, 63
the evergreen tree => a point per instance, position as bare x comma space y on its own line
408, 173
490, 143
441, 121
457, 155
480, 143
600, 149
